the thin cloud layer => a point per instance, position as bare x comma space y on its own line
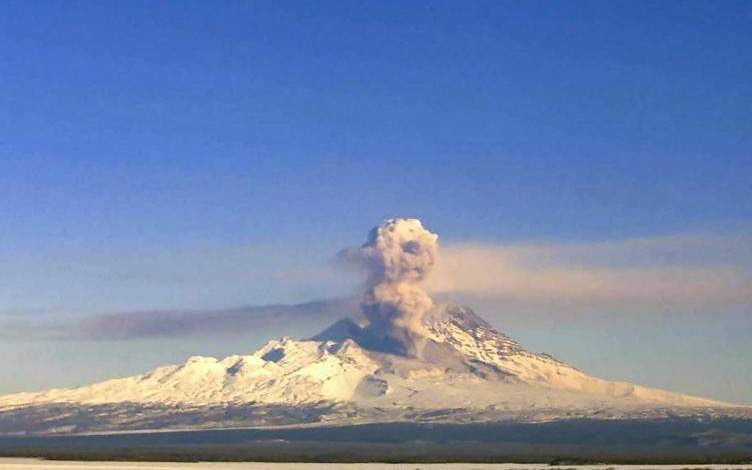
182, 323
670, 270
674, 270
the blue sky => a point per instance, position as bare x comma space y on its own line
200, 155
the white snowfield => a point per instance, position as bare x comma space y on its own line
19, 464
466, 365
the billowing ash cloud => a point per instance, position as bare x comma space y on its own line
398, 255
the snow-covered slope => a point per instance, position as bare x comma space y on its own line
467, 371
283, 371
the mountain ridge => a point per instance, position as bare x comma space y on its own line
468, 372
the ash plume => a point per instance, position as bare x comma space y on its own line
397, 256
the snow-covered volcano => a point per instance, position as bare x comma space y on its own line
409, 359
468, 372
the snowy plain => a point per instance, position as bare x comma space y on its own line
35, 464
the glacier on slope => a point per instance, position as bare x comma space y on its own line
468, 371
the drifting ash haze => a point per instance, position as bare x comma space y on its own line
411, 360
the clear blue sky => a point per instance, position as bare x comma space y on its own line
134, 128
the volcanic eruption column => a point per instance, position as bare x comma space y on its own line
398, 255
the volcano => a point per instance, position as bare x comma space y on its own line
468, 372
408, 359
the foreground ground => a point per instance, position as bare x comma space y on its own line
18, 464
666, 441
